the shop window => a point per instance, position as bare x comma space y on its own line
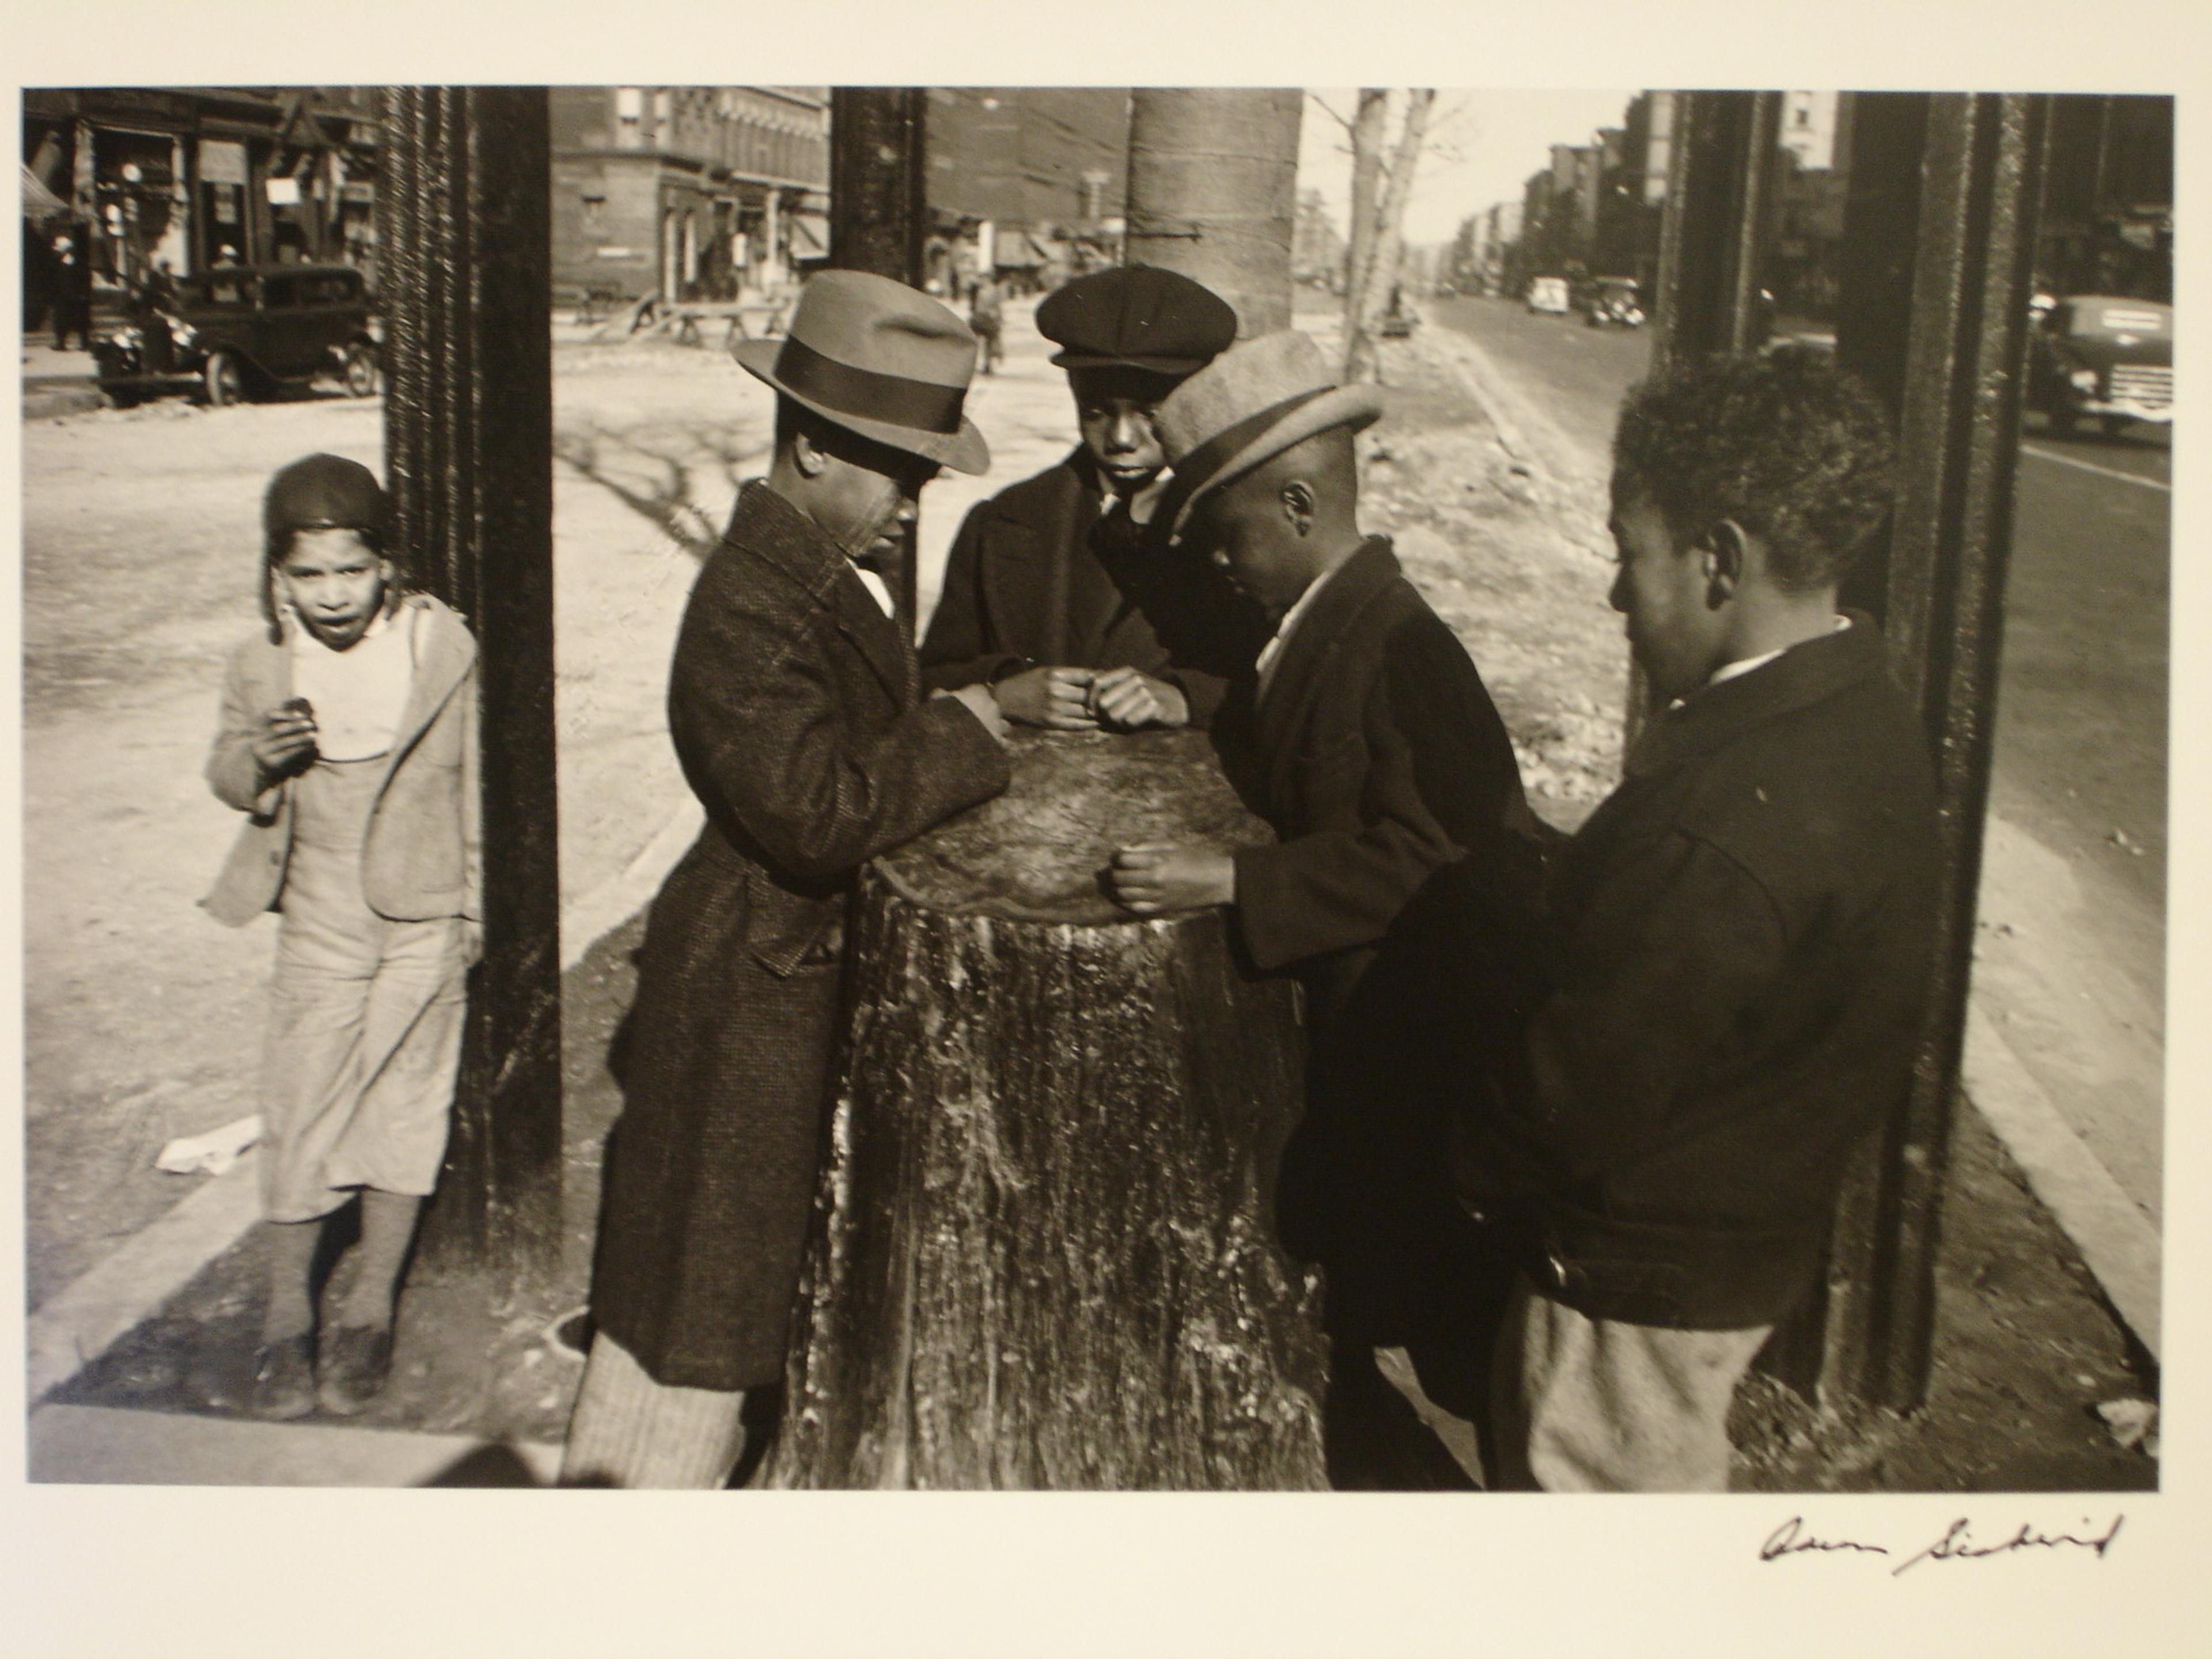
595, 214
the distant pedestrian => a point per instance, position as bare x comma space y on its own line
72, 306
986, 315
348, 738
1741, 940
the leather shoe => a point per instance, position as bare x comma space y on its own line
355, 1361
284, 1377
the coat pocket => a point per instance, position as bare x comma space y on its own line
789, 933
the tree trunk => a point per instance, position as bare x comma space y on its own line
1382, 273
1044, 1253
1368, 137
1213, 192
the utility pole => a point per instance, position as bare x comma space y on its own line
464, 215
1213, 192
879, 215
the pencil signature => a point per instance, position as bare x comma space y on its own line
1958, 1543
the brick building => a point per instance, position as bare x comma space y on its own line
687, 193
1032, 181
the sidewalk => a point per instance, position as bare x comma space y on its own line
57, 382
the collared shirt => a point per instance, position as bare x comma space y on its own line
1271, 652
1729, 670
358, 695
879, 589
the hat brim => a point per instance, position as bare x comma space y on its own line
1181, 367
1355, 406
963, 451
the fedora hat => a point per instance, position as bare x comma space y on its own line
1255, 400
878, 358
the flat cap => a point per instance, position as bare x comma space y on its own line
323, 492
1137, 317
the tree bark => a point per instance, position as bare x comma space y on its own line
1369, 134
1388, 238
1213, 192
1045, 1253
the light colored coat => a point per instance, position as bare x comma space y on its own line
422, 857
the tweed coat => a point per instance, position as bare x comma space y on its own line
795, 708
422, 857
1388, 776
1743, 942
1037, 575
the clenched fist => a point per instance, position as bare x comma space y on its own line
1159, 877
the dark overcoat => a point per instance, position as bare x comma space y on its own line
1038, 575
1385, 770
1743, 944
795, 707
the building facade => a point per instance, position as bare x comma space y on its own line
176, 179
687, 193
1030, 183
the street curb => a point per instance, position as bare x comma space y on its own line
130, 1283
83, 1320
592, 917
108, 1445
52, 403
2117, 1240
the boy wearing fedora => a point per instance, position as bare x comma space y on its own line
1390, 780
1055, 595
797, 710
1740, 940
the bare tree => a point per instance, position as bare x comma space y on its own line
1369, 291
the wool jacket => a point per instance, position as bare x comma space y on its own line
1383, 766
1037, 576
796, 708
422, 857
1738, 963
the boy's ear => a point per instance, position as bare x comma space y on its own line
1725, 551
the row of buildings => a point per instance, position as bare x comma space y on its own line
2107, 224
182, 178
676, 192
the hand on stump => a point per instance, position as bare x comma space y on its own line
1158, 878
1128, 698
1057, 698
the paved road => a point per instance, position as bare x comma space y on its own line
2075, 893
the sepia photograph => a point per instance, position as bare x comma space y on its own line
1180, 788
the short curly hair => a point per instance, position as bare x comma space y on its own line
1792, 449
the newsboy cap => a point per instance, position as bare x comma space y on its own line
880, 359
1136, 317
323, 492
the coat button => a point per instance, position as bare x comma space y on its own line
274, 855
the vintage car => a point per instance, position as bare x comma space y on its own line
241, 331
2102, 356
1612, 303
1549, 293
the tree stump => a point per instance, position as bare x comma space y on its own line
1044, 1252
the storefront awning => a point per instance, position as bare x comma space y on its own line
39, 202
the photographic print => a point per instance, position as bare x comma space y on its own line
1440, 791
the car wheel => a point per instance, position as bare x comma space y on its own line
2061, 416
126, 400
2115, 425
223, 381
363, 379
